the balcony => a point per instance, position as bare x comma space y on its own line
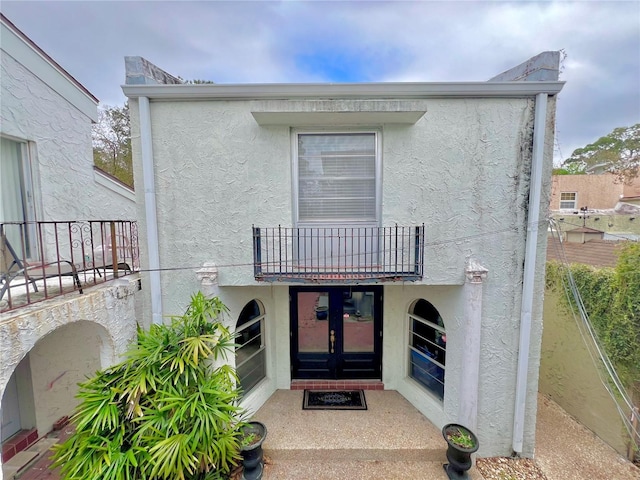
338, 254
43, 260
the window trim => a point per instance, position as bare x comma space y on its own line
29, 191
575, 200
411, 349
295, 133
260, 319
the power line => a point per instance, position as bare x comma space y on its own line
460, 239
592, 342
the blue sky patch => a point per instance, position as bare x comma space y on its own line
336, 65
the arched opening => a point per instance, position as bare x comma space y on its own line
250, 352
42, 387
427, 347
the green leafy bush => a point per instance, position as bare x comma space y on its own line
166, 411
611, 297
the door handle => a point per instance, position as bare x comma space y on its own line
332, 339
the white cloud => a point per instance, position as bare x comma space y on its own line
255, 42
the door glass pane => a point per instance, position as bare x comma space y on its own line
357, 315
313, 322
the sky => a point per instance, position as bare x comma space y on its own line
355, 41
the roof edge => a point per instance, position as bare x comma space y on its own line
44, 55
512, 89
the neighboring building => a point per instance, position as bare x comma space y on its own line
597, 252
381, 235
569, 193
598, 202
49, 194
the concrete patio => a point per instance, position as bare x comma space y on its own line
389, 440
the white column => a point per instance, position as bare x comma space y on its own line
208, 276
469, 378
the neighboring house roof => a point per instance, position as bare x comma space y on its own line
598, 253
585, 230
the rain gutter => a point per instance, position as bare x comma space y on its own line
528, 282
150, 209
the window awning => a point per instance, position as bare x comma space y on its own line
337, 112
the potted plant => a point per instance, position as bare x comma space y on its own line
252, 436
322, 312
167, 412
461, 443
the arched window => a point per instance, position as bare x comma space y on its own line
427, 347
250, 352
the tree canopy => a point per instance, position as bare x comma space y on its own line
570, 169
111, 138
618, 152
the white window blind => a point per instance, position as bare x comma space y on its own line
337, 177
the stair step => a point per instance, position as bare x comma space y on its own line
357, 470
358, 454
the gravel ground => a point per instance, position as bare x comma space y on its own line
501, 468
565, 450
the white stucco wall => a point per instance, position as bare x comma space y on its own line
66, 339
54, 344
463, 170
61, 360
58, 130
460, 170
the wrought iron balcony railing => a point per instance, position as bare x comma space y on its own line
42, 260
338, 253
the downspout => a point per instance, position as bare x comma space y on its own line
150, 210
535, 194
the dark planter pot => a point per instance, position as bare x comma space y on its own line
252, 460
322, 313
459, 457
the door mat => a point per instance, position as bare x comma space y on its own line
334, 400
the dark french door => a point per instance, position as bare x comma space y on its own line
336, 332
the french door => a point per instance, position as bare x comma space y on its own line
336, 332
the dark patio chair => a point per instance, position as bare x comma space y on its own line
12, 267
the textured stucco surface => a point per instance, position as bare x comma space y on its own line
463, 170
60, 148
59, 361
66, 339
569, 376
57, 343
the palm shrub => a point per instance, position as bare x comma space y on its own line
166, 412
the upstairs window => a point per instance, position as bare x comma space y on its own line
337, 177
568, 200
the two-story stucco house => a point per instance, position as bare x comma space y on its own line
56, 211
385, 235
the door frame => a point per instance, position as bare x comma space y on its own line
338, 365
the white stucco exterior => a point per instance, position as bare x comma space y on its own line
65, 340
43, 106
221, 160
49, 347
